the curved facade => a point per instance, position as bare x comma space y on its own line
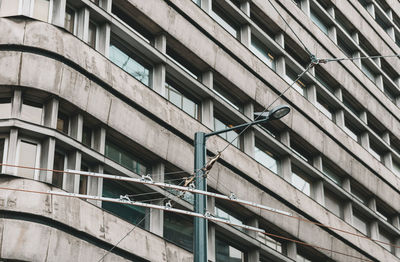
120, 87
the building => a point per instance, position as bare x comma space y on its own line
121, 86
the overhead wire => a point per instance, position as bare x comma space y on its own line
231, 198
180, 211
131, 230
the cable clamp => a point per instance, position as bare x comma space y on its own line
146, 178
207, 214
189, 180
210, 164
168, 204
232, 196
124, 198
192, 186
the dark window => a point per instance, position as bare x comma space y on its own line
266, 158
1, 153
179, 230
69, 20
92, 34
62, 122
83, 180
225, 252
59, 159
87, 136
130, 213
174, 94
124, 158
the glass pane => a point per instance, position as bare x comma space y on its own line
331, 175
8, 7
179, 230
324, 109
368, 71
223, 23
360, 223
299, 85
112, 153
350, 132
124, 158
130, 213
1, 152
58, 165
41, 10
175, 98
86, 136
27, 158
318, 21
32, 113
83, 184
301, 184
130, 65
265, 158
396, 168
227, 253
92, 35
189, 107
62, 123
5, 108
262, 52
69, 19
332, 204
224, 215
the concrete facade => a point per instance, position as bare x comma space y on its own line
71, 100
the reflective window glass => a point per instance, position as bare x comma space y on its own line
59, 159
262, 52
224, 252
300, 181
2, 142
228, 136
92, 34
360, 223
223, 20
130, 213
129, 63
179, 230
69, 20
318, 21
266, 158
124, 158
181, 101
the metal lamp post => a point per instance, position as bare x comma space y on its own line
200, 201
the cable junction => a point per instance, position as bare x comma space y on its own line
148, 181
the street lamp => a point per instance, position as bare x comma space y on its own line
200, 201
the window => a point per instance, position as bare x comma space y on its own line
396, 167
300, 258
28, 156
95, 1
351, 130
324, 106
8, 7
92, 34
351, 104
389, 92
227, 97
32, 111
124, 158
181, 101
359, 194
83, 180
299, 85
303, 152
266, 158
228, 136
360, 222
128, 61
59, 164
2, 148
368, 71
220, 213
69, 21
332, 203
225, 21
269, 241
331, 174
130, 213
385, 237
318, 21
5, 107
87, 136
262, 52
301, 181
224, 252
374, 150
179, 230
344, 47
62, 122
324, 79
128, 20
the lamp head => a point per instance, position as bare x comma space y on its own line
279, 112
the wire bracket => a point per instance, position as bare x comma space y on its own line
232, 196
210, 164
125, 198
146, 178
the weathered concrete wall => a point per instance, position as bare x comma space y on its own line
37, 242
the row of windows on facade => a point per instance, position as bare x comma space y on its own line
129, 63
127, 60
